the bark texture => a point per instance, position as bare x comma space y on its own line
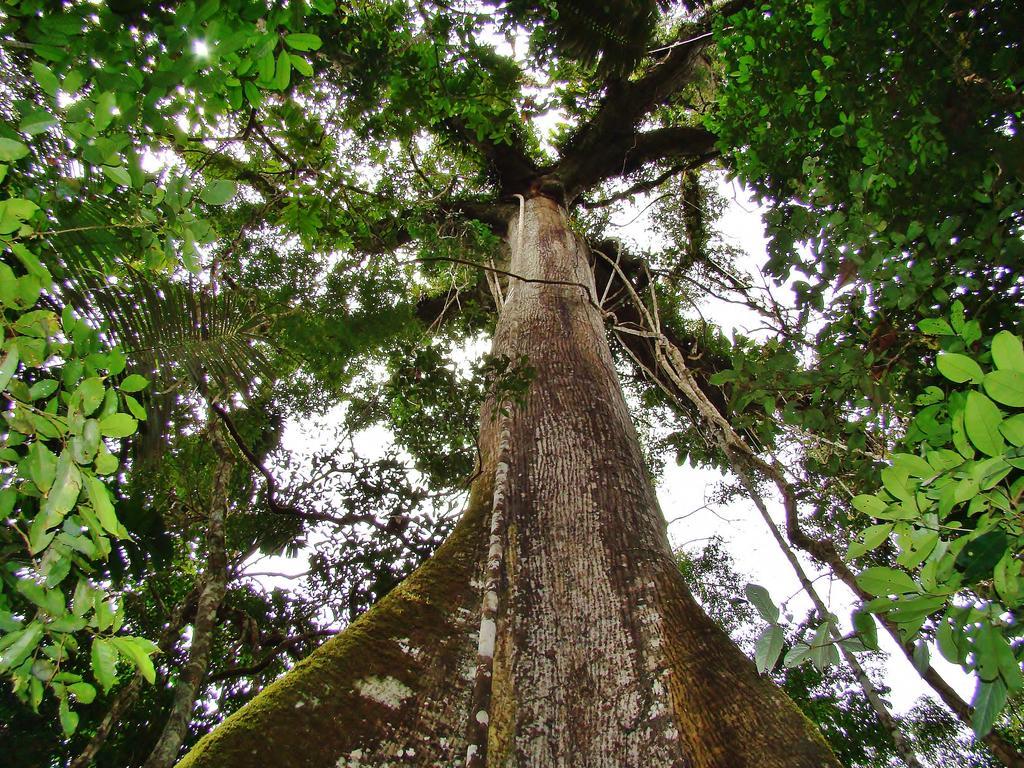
215, 581
600, 655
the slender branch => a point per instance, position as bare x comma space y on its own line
885, 717
641, 187
268, 658
670, 360
272, 494
125, 697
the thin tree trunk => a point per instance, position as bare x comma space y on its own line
124, 699
215, 579
594, 654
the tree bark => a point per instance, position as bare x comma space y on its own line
585, 648
215, 580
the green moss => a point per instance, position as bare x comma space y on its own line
315, 713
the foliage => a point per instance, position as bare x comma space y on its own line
287, 210
891, 173
952, 505
61, 425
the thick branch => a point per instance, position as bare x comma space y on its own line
624, 154
509, 161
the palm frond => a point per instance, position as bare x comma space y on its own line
180, 333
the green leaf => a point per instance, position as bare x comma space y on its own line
118, 425
45, 77
137, 651
8, 366
796, 655
895, 482
68, 719
14, 211
869, 505
39, 534
106, 462
134, 382
303, 41
91, 392
989, 700
1013, 429
42, 466
50, 600
118, 174
872, 537
283, 71
947, 641
216, 192
958, 368
1006, 387
981, 421
934, 326
37, 121
135, 407
913, 465
104, 662
104, 113
867, 630
11, 150
979, 557
83, 692
252, 93
43, 388
302, 66
762, 601
1007, 352
102, 505
920, 657
768, 648
84, 446
880, 580
73, 80
64, 494
1006, 578
19, 645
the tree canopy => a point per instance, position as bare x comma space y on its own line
220, 218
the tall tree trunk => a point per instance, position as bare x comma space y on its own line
215, 580
587, 650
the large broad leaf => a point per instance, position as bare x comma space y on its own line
1006, 387
218, 191
880, 580
979, 557
989, 700
981, 421
104, 662
768, 648
762, 600
958, 368
1007, 352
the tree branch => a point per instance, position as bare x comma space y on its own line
268, 658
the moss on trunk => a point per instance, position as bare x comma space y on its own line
383, 686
